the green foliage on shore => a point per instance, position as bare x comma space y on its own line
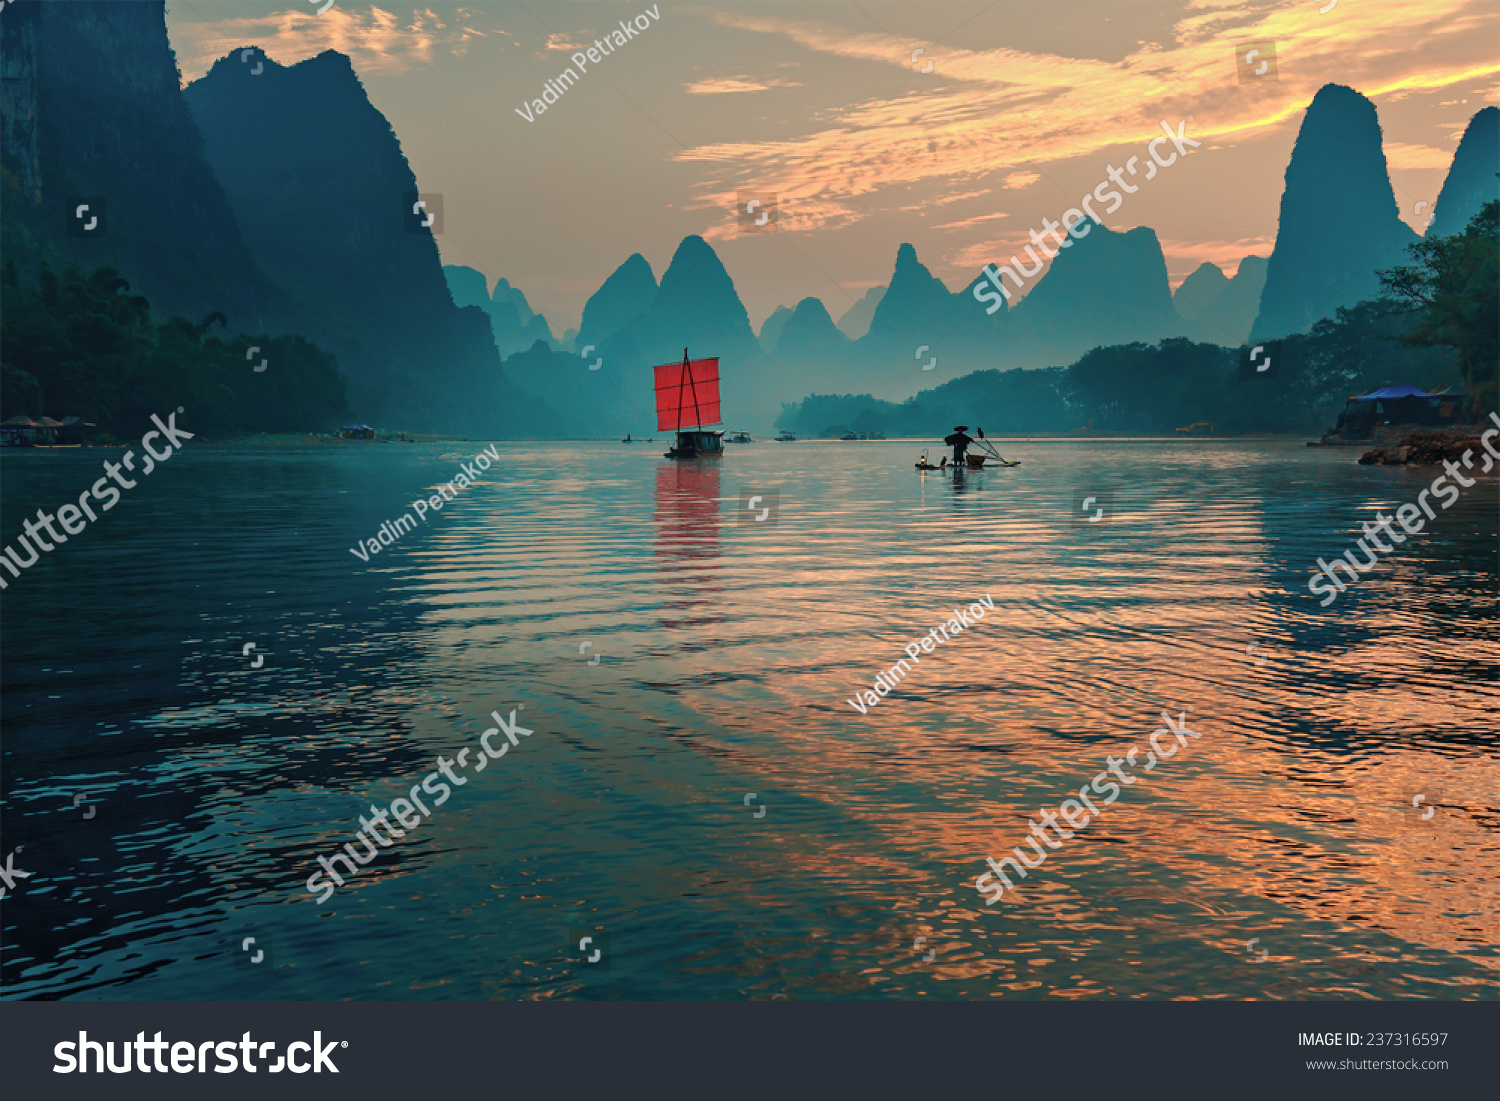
1018, 401
1454, 285
81, 344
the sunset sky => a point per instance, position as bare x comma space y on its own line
821, 105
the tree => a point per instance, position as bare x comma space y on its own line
82, 344
1455, 286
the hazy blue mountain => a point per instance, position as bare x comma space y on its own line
92, 107
1220, 310
918, 333
916, 320
620, 300
979, 333
809, 334
916, 309
322, 193
1339, 221
515, 327
511, 333
534, 326
1199, 291
600, 402
770, 328
505, 292
855, 322
1472, 179
1106, 288
696, 306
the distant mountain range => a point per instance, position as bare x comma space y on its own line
1217, 309
512, 323
279, 195
1339, 225
856, 320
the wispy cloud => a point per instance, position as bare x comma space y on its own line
1403, 155
717, 86
565, 42
967, 222
375, 40
943, 132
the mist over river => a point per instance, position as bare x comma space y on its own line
698, 798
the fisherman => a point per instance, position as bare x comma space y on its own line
959, 441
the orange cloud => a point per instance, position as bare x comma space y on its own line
723, 85
940, 128
967, 222
376, 41
1403, 155
560, 42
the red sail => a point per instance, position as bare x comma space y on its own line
687, 396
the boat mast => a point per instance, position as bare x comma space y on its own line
687, 368
680, 381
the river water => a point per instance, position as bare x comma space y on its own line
698, 796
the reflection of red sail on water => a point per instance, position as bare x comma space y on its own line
687, 399
687, 493
687, 538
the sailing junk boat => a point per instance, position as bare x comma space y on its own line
689, 391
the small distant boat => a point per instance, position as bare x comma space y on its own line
786, 437
627, 439
739, 437
848, 436
695, 380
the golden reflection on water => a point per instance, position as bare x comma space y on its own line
1293, 809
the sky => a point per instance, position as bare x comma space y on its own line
1010, 113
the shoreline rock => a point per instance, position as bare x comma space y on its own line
1424, 449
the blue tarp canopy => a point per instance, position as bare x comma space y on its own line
1391, 393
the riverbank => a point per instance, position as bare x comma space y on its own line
1429, 448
